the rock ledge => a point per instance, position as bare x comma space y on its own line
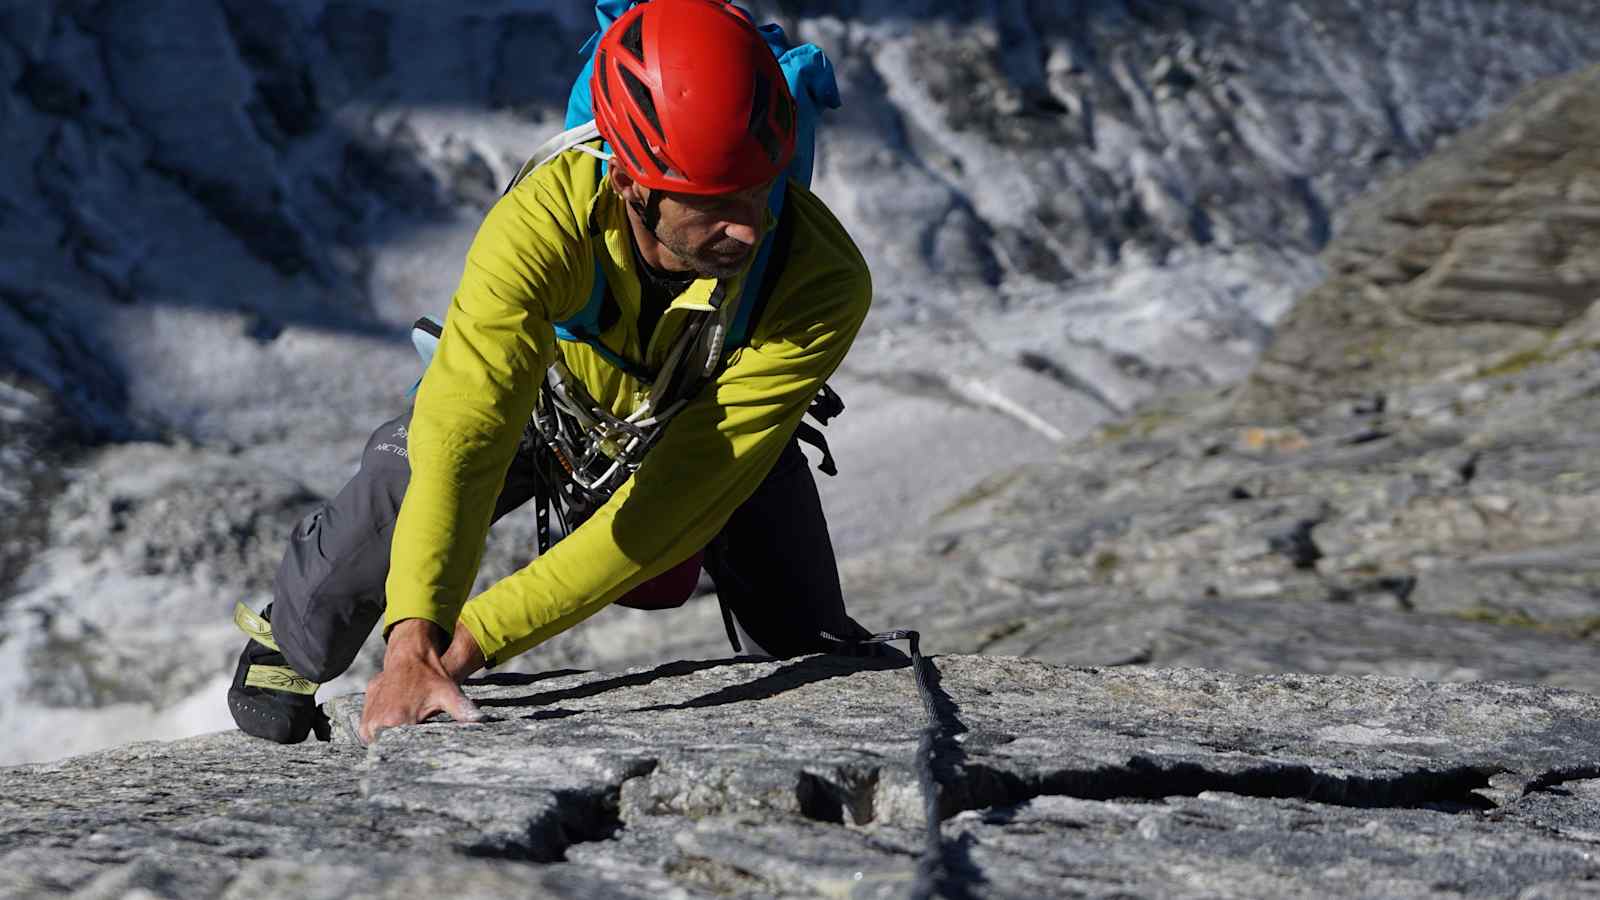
797, 778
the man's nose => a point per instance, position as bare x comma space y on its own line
742, 232
744, 224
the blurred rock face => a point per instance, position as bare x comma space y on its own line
1407, 485
216, 219
1473, 263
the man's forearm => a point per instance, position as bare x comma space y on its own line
413, 640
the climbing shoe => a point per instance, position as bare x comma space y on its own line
268, 699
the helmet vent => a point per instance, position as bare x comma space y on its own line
760, 123
665, 111
644, 145
641, 96
632, 156
633, 39
605, 83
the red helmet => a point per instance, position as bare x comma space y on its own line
691, 99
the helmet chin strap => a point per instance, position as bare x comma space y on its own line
649, 212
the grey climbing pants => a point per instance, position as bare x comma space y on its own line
773, 564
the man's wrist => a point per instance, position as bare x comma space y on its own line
463, 657
416, 637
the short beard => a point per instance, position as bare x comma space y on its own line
706, 268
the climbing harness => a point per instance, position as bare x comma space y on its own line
581, 453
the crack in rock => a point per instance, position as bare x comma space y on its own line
844, 794
579, 816
1451, 789
1556, 777
1298, 544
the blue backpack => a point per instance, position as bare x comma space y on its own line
811, 81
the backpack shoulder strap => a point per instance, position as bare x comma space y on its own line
577, 137
771, 260
814, 87
584, 327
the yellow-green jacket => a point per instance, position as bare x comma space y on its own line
533, 264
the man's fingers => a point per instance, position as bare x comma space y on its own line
449, 699
370, 731
372, 725
461, 708
408, 696
365, 729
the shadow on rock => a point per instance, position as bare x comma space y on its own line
519, 679
798, 674
594, 688
808, 670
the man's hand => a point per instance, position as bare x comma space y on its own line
413, 684
463, 658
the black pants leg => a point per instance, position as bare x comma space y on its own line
774, 566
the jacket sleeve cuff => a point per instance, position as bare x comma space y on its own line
399, 612
487, 646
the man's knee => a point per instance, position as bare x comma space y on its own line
329, 592
321, 635
307, 660
329, 589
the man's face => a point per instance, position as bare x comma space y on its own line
714, 235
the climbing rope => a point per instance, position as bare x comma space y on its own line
931, 870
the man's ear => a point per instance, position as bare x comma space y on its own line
623, 184
643, 201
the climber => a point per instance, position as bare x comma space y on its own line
662, 266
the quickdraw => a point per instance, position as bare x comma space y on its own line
594, 451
